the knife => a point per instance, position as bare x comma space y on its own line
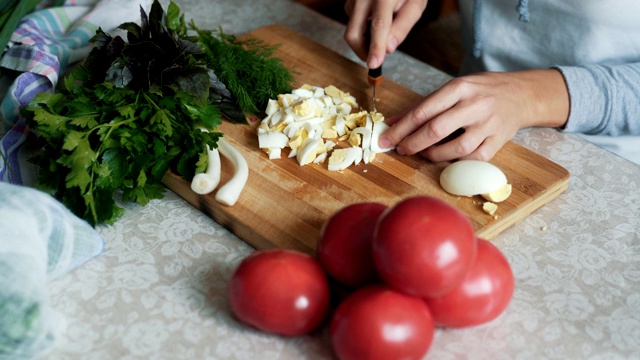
375, 79
374, 76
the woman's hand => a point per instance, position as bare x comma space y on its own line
490, 107
390, 22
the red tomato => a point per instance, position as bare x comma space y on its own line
423, 246
344, 245
377, 322
280, 291
483, 294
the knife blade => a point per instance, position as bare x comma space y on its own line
374, 78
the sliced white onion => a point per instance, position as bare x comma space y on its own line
204, 183
229, 193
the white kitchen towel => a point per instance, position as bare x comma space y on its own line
40, 239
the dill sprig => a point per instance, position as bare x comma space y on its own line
247, 67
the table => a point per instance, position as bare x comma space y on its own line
159, 289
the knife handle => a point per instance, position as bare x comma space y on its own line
375, 76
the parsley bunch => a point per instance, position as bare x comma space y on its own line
129, 114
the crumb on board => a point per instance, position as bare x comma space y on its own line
489, 208
543, 228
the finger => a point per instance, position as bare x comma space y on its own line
348, 7
381, 20
404, 20
401, 114
487, 150
437, 129
354, 34
411, 119
396, 117
484, 152
462, 146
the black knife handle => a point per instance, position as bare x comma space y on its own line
375, 73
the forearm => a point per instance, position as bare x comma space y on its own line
604, 99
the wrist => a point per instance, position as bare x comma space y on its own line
550, 98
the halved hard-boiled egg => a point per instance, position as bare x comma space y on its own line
473, 177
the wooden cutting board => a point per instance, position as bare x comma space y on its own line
284, 204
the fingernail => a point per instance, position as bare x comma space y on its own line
393, 44
373, 62
383, 142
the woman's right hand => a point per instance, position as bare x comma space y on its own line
390, 22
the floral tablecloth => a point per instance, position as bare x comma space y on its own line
159, 289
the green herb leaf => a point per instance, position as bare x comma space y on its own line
161, 118
175, 19
15, 11
193, 80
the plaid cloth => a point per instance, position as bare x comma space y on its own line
44, 44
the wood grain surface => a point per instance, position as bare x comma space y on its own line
284, 204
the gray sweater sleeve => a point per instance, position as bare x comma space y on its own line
605, 99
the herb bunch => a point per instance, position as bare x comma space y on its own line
129, 114
247, 67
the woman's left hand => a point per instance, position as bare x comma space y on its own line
491, 107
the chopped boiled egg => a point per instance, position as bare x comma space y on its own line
333, 91
499, 195
490, 208
303, 107
359, 154
320, 158
341, 159
295, 142
378, 128
307, 151
364, 136
329, 133
309, 115
272, 139
303, 92
272, 107
274, 153
354, 139
343, 108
